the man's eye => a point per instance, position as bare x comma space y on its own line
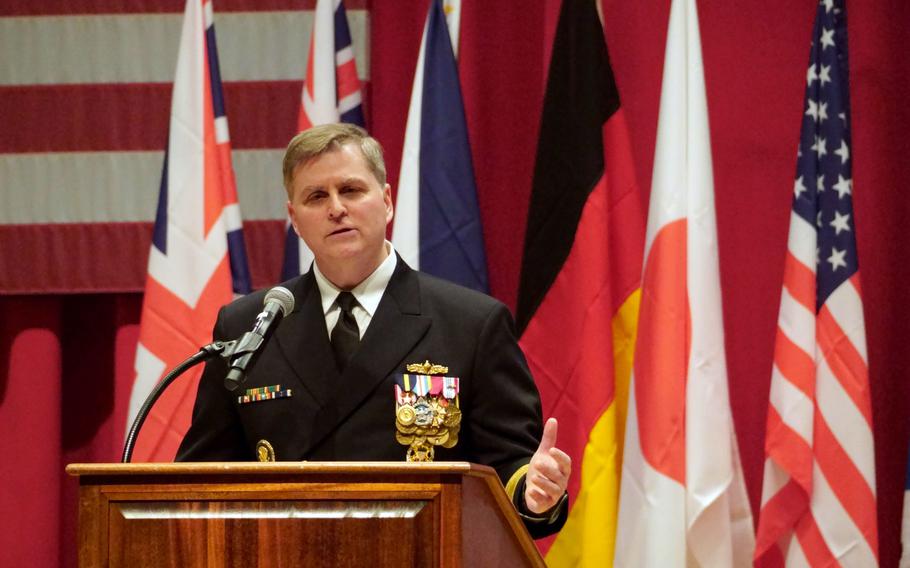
314, 197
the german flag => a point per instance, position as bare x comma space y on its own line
580, 279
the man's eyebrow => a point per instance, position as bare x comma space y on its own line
311, 188
355, 180
350, 180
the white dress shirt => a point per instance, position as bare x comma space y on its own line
368, 293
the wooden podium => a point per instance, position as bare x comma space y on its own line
301, 514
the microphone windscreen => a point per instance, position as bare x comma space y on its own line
283, 296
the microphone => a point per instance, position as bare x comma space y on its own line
278, 303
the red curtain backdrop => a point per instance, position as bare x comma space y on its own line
66, 360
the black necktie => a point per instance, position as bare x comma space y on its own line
346, 334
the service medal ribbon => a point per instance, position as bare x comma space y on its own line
449, 387
270, 392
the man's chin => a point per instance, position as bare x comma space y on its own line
352, 253
342, 252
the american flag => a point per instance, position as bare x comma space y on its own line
197, 259
818, 500
331, 93
88, 112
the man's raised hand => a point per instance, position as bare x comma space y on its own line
548, 473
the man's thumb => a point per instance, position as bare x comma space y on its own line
549, 435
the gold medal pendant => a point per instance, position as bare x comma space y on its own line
406, 415
420, 451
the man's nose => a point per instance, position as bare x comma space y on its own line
336, 206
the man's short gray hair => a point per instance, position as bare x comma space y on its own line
318, 140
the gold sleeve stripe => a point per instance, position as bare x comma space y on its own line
514, 481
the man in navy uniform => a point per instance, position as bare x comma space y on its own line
331, 382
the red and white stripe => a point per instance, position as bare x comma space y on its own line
683, 500
818, 500
88, 106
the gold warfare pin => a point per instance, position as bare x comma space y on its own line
264, 451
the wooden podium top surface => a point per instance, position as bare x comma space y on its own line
281, 468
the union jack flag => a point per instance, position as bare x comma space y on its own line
198, 258
818, 500
331, 93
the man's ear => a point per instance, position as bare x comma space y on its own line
290, 209
387, 198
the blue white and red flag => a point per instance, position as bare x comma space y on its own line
331, 93
437, 226
819, 497
198, 259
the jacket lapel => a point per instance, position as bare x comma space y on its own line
394, 329
304, 343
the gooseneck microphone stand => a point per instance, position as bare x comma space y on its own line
225, 349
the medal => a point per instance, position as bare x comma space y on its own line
423, 413
426, 410
449, 387
405, 415
420, 451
